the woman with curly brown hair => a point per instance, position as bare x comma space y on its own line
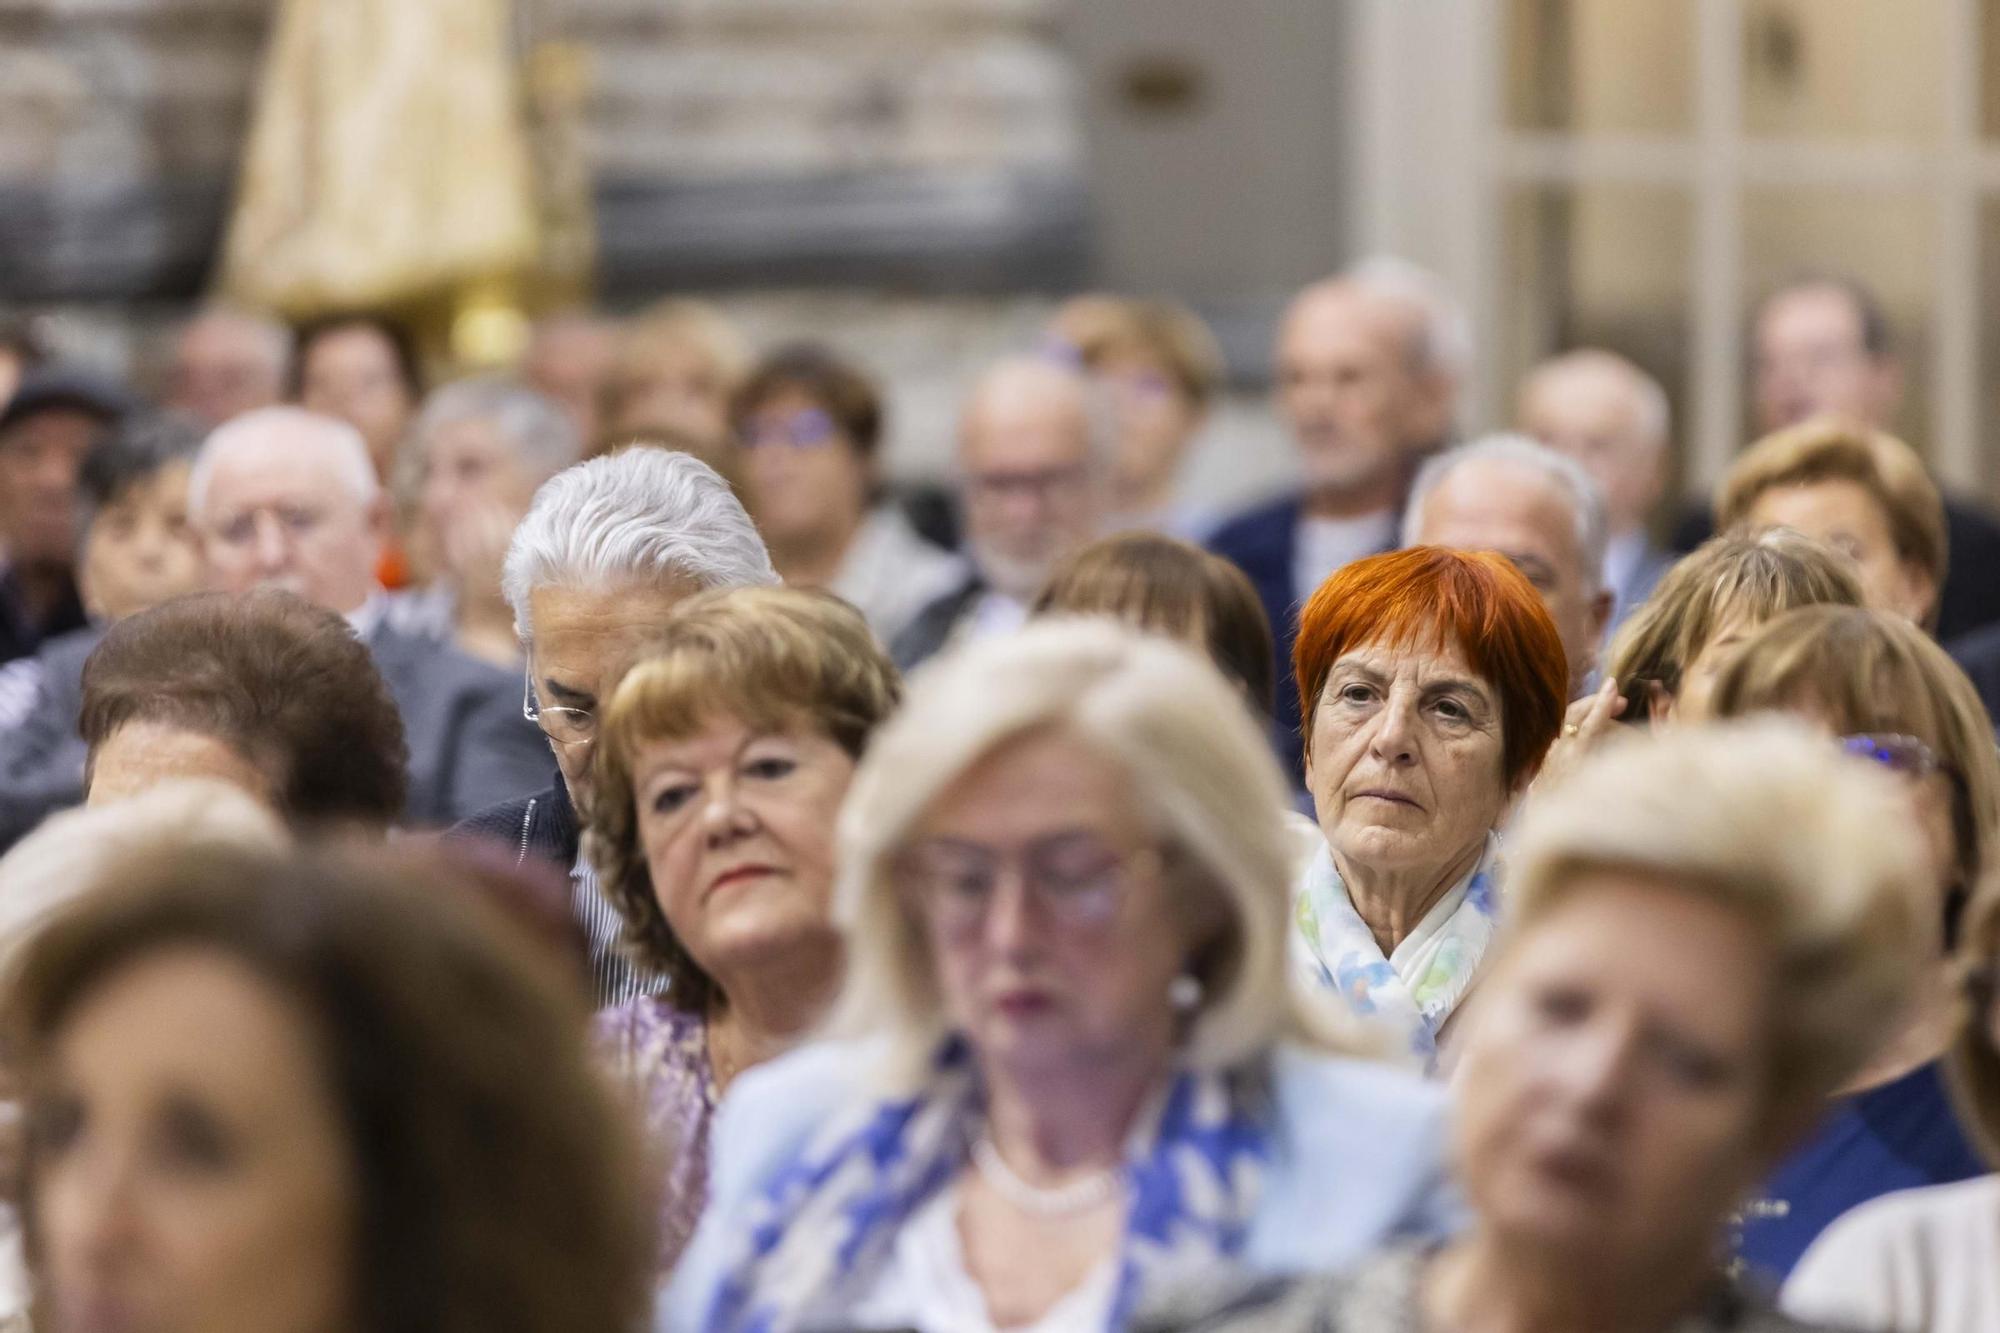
721, 765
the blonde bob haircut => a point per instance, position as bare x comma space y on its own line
774, 659
1973, 1058
1834, 449
1863, 672
1767, 819
1201, 774
1728, 578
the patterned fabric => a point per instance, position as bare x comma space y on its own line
660, 1055
1415, 989
827, 1223
615, 979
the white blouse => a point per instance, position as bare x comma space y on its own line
1917, 1261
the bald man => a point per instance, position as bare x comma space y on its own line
1368, 371
1610, 416
1034, 481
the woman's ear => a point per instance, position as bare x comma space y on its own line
1661, 706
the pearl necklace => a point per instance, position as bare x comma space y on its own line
1079, 1196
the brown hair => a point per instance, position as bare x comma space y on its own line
773, 658
1972, 1059
837, 387
1728, 576
496, 1178
1098, 328
1172, 588
284, 682
1864, 671
1830, 449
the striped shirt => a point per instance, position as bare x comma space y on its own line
615, 978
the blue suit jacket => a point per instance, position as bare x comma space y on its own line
1263, 542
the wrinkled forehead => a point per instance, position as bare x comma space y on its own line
1418, 651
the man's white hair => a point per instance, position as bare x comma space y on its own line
269, 430
1586, 501
1444, 331
642, 515
541, 434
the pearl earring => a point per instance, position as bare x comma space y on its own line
1184, 993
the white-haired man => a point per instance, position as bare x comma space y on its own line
1540, 509
1035, 474
285, 498
608, 548
1369, 365
1612, 417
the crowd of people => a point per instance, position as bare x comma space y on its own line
585, 849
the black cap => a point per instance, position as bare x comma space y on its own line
53, 388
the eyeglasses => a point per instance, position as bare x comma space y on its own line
564, 726
807, 428
1899, 754
1077, 879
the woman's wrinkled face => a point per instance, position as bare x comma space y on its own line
1054, 934
737, 826
1405, 768
1612, 1094
190, 1171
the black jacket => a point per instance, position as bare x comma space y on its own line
543, 825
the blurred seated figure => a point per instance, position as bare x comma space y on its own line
1034, 472
138, 551
1514, 497
1600, 409
284, 498
1861, 492
1884, 692
1434, 684
479, 451
224, 362
1369, 366
363, 370
809, 426
677, 365
1077, 1069
608, 549
568, 361
1707, 934
65, 858
1665, 658
1928, 1258
725, 756
1168, 587
1160, 369
262, 691
47, 427
288, 1094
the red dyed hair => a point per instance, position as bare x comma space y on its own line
1476, 600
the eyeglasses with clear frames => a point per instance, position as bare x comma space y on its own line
1077, 879
564, 726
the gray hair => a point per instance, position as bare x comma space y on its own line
257, 431
1652, 416
540, 432
1444, 331
1585, 500
644, 514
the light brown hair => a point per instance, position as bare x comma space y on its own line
1972, 1059
1100, 328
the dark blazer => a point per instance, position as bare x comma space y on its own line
20, 633
543, 826
1970, 598
469, 744
931, 630
1263, 542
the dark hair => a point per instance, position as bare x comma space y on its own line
284, 682
402, 349
136, 450
841, 390
1878, 336
496, 1180
1168, 586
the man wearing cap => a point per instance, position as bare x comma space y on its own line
45, 430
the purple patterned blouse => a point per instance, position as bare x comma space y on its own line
660, 1055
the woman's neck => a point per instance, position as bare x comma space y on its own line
1481, 1285
813, 560
760, 1010
1069, 1121
1394, 902
1920, 1040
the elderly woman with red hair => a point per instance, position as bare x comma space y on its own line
1434, 683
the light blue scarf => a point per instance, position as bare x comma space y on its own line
825, 1225
1413, 991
